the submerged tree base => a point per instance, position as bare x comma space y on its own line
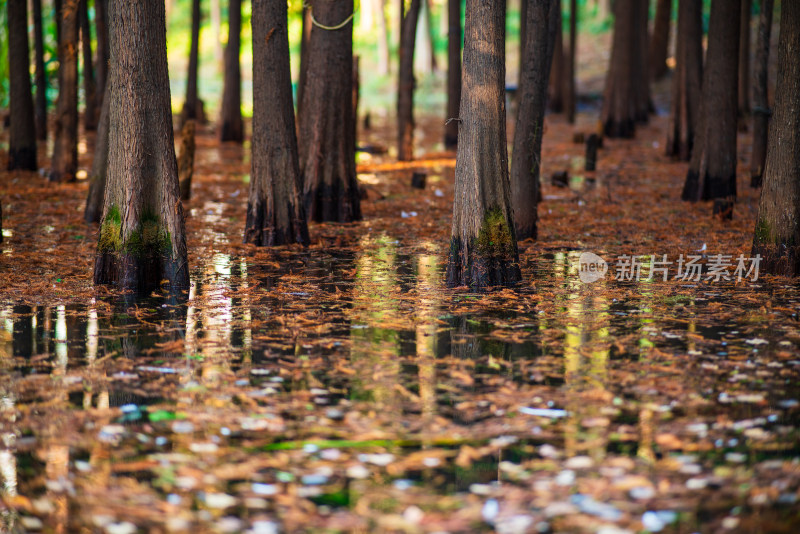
625, 129
22, 158
264, 230
466, 266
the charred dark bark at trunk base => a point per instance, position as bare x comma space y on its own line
192, 104
543, 16
327, 145
406, 83
40, 103
22, 137
64, 163
232, 126
142, 238
483, 244
777, 232
90, 111
761, 111
97, 179
453, 73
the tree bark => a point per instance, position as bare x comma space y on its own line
687, 80
744, 61
275, 213
620, 95
191, 104
712, 171
453, 73
555, 88
40, 103
777, 232
90, 110
641, 68
761, 110
142, 238
101, 26
659, 44
406, 82
232, 127
64, 163
543, 18
569, 87
327, 144
22, 137
303, 76
483, 244
97, 178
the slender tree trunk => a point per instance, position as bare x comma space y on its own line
555, 89
40, 104
659, 44
620, 95
543, 18
712, 171
777, 232
761, 109
22, 137
98, 176
406, 82
383, 39
327, 145
569, 87
232, 128
192, 104
216, 30
483, 245
453, 73
275, 213
303, 76
641, 68
142, 238
423, 45
687, 80
57, 18
64, 164
90, 111
744, 62
101, 25
523, 29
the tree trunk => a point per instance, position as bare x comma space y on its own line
22, 138
659, 44
555, 88
569, 87
761, 110
191, 105
483, 245
275, 214
744, 61
777, 232
186, 159
406, 82
327, 149
423, 45
216, 30
57, 18
383, 39
101, 26
232, 128
543, 18
90, 111
620, 95
40, 104
64, 164
303, 76
142, 238
523, 29
453, 73
687, 80
98, 176
712, 171
641, 68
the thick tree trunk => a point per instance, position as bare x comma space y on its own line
383, 39
555, 88
687, 80
40, 104
483, 244
142, 238
232, 127
659, 44
97, 178
22, 138
453, 73
275, 213
406, 82
620, 94
569, 87
744, 61
101, 26
641, 68
64, 164
543, 18
191, 104
712, 171
777, 232
327, 144
90, 111
761, 110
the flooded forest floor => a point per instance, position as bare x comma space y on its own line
342, 388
